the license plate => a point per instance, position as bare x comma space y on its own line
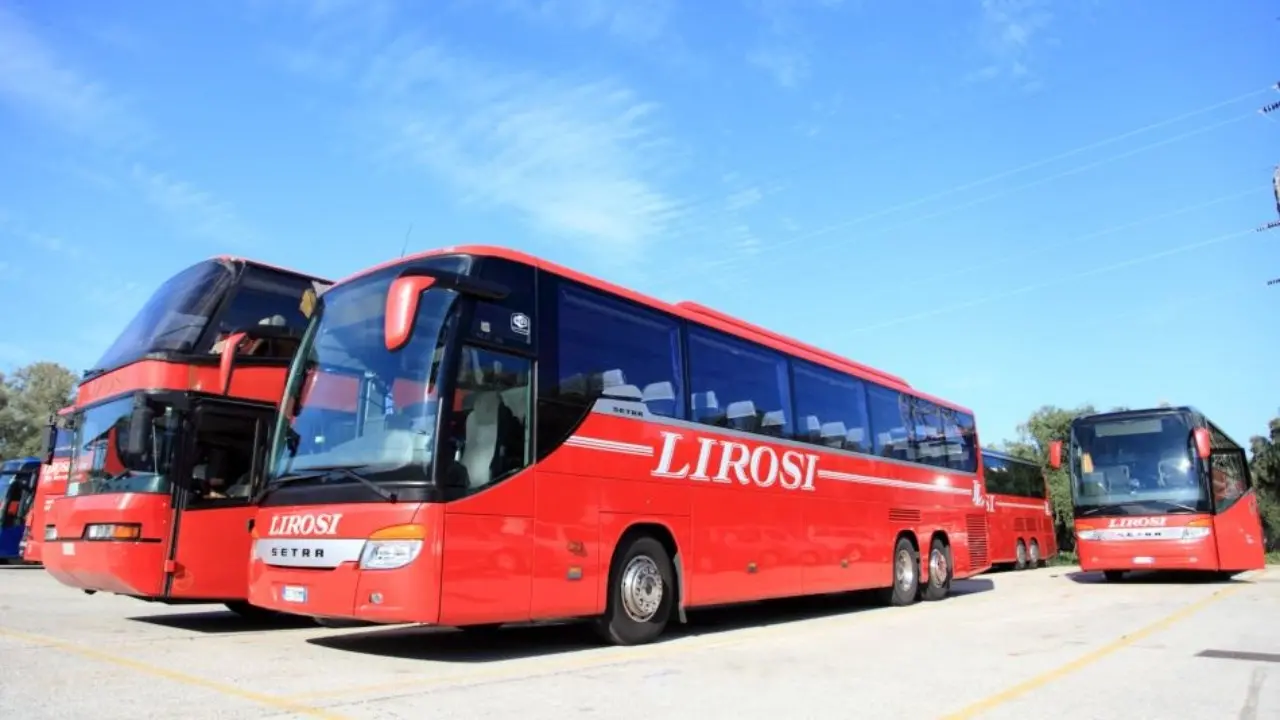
294, 594
1144, 561
68, 549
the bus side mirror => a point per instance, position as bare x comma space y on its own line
228, 360
1055, 454
141, 422
402, 309
48, 441
1204, 443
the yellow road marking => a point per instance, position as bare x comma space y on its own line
1012, 693
273, 701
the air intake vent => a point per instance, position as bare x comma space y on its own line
904, 516
976, 526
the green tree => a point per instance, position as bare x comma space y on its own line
1264, 467
27, 398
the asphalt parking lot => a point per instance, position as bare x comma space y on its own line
1047, 643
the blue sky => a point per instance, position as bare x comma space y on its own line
1009, 203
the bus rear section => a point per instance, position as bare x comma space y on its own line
17, 489
1020, 516
478, 437
51, 485
169, 433
1161, 489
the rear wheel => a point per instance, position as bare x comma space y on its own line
1034, 554
1113, 575
939, 585
641, 594
1020, 552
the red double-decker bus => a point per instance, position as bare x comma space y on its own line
51, 485
1161, 489
1020, 516
475, 436
169, 432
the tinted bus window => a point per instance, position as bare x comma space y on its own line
961, 440
614, 349
738, 385
890, 428
266, 297
927, 440
831, 408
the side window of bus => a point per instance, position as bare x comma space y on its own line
1228, 476
995, 473
738, 385
487, 439
887, 422
613, 349
927, 440
266, 297
831, 408
957, 429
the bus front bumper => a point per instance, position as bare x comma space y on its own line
124, 567
1193, 554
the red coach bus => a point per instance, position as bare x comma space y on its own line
169, 433
1020, 518
51, 485
474, 436
1161, 489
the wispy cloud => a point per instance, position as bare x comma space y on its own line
12, 226
192, 210
782, 49
640, 21
35, 80
1009, 33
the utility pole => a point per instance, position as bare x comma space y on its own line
1268, 109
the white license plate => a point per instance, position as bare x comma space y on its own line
1144, 560
68, 549
294, 594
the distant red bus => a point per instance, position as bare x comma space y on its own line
51, 485
475, 436
169, 432
1161, 489
1020, 517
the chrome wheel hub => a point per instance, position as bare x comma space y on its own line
905, 571
641, 588
938, 569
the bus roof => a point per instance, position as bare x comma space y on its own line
17, 464
685, 309
1008, 457
1140, 412
259, 263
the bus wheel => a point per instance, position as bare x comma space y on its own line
641, 594
1035, 554
939, 584
251, 612
906, 575
1113, 575
1021, 553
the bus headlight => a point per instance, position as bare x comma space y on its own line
1087, 534
1195, 533
392, 547
113, 531
50, 532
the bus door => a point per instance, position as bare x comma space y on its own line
1237, 525
223, 456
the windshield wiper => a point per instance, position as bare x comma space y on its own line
328, 475
1173, 505
1095, 510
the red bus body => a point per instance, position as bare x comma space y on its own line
51, 485
1161, 489
168, 432
1020, 515
785, 489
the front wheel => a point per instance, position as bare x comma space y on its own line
939, 585
642, 594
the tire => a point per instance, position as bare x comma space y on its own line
642, 594
939, 565
1020, 552
251, 612
1033, 554
905, 575
1113, 575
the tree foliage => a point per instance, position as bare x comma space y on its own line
27, 398
1265, 469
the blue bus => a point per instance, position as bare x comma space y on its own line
17, 490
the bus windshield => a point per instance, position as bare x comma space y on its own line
100, 463
1134, 466
352, 404
173, 318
